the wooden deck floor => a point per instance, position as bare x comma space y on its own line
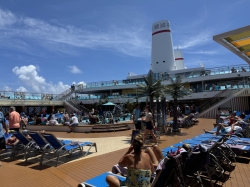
19, 173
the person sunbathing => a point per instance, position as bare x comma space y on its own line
222, 130
11, 141
139, 166
228, 121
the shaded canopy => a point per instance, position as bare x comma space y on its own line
109, 104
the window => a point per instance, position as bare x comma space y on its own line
163, 61
156, 62
156, 26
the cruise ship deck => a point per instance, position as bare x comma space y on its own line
111, 146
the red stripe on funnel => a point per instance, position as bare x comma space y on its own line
179, 59
160, 32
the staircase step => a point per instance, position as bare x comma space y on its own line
109, 126
110, 129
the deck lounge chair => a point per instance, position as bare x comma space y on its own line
23, 145
216, 154
195, 163
214, 167
41, 144
65, 146
169, 149
169, 172
100, 180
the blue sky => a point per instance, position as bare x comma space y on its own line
45, 46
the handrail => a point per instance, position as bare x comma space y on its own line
218, 99
10, 95
71, 106
189, 75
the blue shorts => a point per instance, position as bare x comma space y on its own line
74, 124
225, 130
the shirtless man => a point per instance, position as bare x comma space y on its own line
223, 129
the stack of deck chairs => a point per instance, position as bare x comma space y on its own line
219, 154
210, 159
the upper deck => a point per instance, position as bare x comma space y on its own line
198, 74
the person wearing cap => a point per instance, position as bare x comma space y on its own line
73, 122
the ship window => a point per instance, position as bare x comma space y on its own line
162, 25
156, 26
156, 62
164, 61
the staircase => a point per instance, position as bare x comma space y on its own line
110, 127
73, 107
216, 99
65, 94
209, 108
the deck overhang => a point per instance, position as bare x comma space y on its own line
237, 41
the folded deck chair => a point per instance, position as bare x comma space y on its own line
65, 146
245, 133
170, 172
225, 149
41, 144
23, 145
195, 163
214, 167
100, 180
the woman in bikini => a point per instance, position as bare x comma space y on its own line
139, 166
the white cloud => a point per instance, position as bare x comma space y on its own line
196, 40
204, 52
83, 83
21, 89
75, 70
29, 76
6, 88
7, 18
129, 39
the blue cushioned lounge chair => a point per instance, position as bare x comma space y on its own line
100, 180
169, 149
41, 144
65, 146
23, 145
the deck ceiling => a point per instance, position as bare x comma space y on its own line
237, 41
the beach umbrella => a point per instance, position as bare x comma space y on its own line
109, 104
